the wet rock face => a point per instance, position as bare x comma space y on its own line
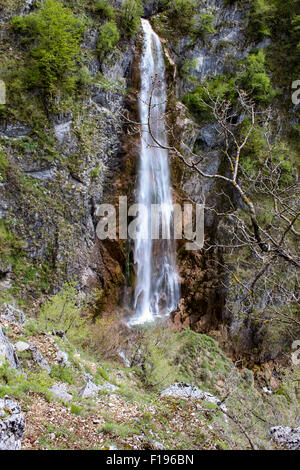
221, 50
12, 425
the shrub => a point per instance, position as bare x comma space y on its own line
203, 24
105, 10
155, 357
255, 79
63, 374
84, 77
261, 16
53, 34
77, 409
4, 165
17, 384
106, 337
62, 312
222, 86
181, 14
130, 17
108, 38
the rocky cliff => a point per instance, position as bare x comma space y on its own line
62, 155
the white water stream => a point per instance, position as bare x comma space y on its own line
157, 289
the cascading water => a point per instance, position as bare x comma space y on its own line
157, 289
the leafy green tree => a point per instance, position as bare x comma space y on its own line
53, 34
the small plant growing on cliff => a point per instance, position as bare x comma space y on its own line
131, 13
108, 38
53, 35
181, 14
105, 10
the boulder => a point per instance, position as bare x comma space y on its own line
285, 437
21, 346
7, 352
89, 390
60, 391
12, 425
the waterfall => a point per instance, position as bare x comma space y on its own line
157, 289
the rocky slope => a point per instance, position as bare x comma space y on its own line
69, 400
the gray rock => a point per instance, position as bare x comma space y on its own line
42, 175
285, 437
16, 130
61, 130
188, 392
39, 359
12, 425
7, 352
12, 314
89, 390
60, 391
108, 386
21, 346
124, 359
62, 358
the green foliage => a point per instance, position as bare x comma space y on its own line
261, 16
130, 16
256, 151
255, 79
77, 409
203, 25
4, 165
10, 245
119, 430
280, 21
181, 14
62, 374
222, 86
63, 312
84, 77
95, 172
103, 374
184, 17
108, 38
105, 10
31, 328
18, 384
53, 35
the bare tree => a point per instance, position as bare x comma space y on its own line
267, 244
